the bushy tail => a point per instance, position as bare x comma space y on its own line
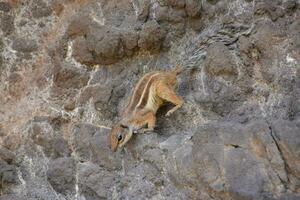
178, 69
189, 53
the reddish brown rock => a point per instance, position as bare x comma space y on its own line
151, 37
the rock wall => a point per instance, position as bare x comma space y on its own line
69, 65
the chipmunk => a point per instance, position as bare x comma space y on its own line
152, 90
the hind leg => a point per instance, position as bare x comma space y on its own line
168, 94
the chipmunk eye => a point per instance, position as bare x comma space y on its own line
120, 137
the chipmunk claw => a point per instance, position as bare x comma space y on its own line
168, 114
142, 131
146, 130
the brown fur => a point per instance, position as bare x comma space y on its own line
150, 93
138, 90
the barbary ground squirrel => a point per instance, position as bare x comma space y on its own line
151, 92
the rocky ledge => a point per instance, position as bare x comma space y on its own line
68, 66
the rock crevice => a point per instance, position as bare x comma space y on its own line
67, 69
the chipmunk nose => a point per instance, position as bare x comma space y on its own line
114, 148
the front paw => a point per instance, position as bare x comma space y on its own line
168, 113
142, 131
146, 130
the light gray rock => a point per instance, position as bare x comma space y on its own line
61, 175
68, 68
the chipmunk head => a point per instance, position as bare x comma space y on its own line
119, 136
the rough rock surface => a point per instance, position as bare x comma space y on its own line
67, 66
